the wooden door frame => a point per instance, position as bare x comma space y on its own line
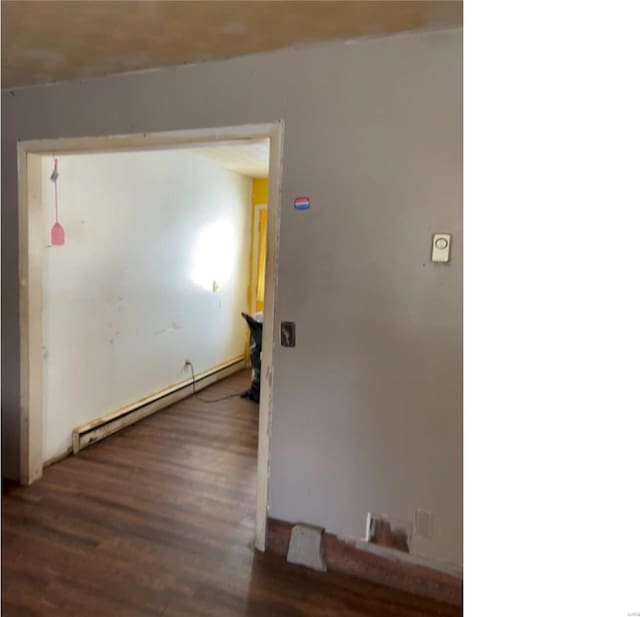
31, 249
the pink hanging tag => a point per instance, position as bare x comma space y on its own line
57, 235
57, 231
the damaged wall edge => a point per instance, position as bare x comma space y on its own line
402, 557
347, 557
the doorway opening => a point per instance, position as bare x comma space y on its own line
223, 257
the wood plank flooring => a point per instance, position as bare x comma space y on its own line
158, 520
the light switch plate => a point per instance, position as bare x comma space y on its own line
441, 248
288, 333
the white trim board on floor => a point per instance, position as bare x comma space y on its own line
30, 155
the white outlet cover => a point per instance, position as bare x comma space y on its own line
441, 248
423, 524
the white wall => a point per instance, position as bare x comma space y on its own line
368, 406
129, 296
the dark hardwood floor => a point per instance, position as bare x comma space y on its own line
158, 520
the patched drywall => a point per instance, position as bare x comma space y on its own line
129, 297
367, 410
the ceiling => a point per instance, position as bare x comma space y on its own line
249, 157
52, 40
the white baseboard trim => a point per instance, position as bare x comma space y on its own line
106, 425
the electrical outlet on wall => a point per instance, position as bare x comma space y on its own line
423, 524
420, 543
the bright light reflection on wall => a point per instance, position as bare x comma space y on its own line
213, 255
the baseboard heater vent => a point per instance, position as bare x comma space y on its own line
104, 426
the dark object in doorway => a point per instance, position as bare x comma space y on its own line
255, 328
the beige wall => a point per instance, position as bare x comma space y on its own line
368, 406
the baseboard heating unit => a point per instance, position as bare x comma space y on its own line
104, 426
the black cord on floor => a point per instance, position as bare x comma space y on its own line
206, 400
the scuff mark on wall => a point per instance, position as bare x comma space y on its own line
172, 327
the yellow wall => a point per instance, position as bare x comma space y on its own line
259, 195
262, 259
